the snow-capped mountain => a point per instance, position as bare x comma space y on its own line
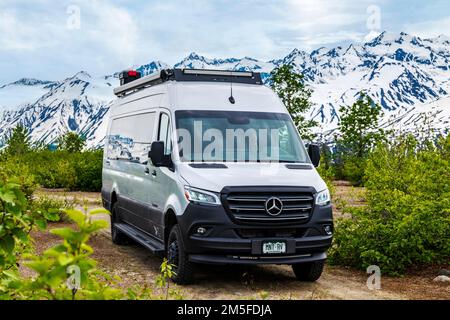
76, 104
407, 75
397, 72
195, 61
20, 92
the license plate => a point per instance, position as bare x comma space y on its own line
274, 247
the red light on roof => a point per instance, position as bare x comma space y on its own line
132, 73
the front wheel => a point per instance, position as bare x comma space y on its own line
309, 271
183, 269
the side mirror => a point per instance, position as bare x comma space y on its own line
314, 154
156, 153
158, 157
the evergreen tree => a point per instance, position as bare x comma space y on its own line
18, 142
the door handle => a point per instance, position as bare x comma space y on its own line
147, 170
108, 162
154, 173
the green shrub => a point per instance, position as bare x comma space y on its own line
54, 265
71, 142
353, 169
407, 218
16, 222
66, 270
327, 175
69, 167
80, 171
15, 171
88, 171
52, 169
54, 209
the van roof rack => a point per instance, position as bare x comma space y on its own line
247, 77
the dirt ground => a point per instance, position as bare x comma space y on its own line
135, 265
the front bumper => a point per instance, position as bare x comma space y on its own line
252, 260
227, 242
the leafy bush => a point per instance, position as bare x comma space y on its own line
16, 222
52, 207
327, 174
88, 170
70, 261
66, 270
68, 167
54, 265
16, 172
71, 142
407, 218
52, 169
57, 169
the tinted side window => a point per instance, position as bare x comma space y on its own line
130, 137
164, 132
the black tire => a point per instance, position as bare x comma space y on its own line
176, 255
309, 271
117, 237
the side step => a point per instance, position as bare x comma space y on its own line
155, 246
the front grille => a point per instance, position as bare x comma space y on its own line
251, 206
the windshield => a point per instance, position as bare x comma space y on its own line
235, 136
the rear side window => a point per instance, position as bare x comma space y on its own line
164, 132
130, 137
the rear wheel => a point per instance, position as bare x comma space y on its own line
117, 236
176, 255
309, 271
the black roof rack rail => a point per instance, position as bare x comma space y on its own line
206, 75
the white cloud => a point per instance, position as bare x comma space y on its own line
107, 38
325, 15
113, 35
428, 29
309, 24
312, 42
17, 34
112, 29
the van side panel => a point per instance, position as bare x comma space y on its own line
107, 182
131, 130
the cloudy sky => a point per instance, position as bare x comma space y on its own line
52, 40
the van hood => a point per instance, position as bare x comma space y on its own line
249, 174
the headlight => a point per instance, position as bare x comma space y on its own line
323, 197
201, 196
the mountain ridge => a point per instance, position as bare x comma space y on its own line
401, 72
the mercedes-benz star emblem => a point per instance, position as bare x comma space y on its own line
274, 206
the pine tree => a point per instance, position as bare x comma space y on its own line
18, 142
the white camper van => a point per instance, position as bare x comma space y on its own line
207, 167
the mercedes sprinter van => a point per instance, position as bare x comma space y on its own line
207, 167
